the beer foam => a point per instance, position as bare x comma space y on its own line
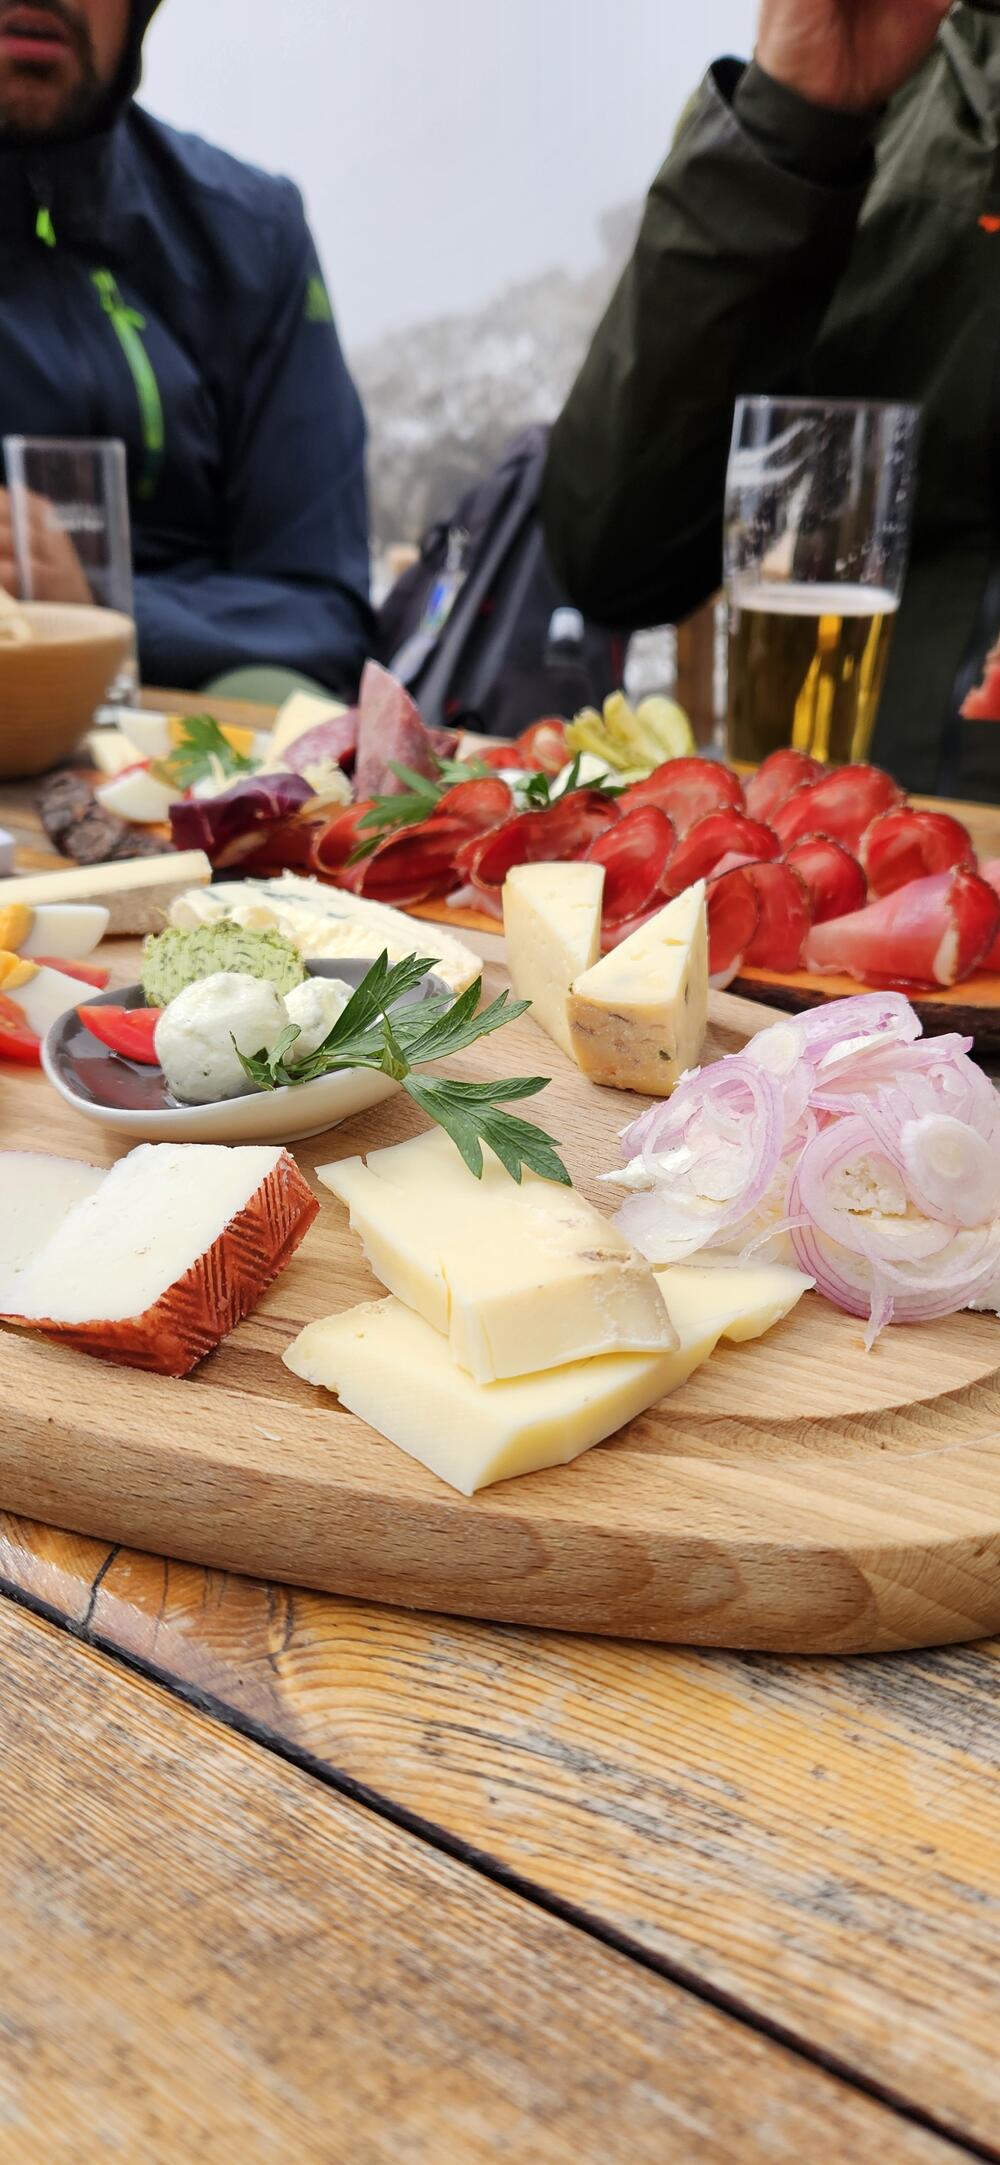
786, 597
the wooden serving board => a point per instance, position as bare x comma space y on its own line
798, 1494
972, 1008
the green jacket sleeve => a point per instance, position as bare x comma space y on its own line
745, 235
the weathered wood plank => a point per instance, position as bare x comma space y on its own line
206, 1953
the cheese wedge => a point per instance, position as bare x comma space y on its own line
742, 1300
637, 1020
302, 711
136, 894
158, 1263
516, 1278
389, 1366
552, 926
110, 752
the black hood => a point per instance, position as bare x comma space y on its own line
130, 72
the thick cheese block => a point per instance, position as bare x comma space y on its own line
387, 1365
328, 922
552, 926
516, 1278
637, 1020
742, 1300
165, 1256
137, 894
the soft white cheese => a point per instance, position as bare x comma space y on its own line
194, 1036
315, 1006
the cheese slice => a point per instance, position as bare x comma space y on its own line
517, 1278
111, 752
741, 1300
38, 1193
136, 894
552, 926
637, 1020
158, 1263
389, 1366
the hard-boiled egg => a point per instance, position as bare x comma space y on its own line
42, 995
66, 930
137, 795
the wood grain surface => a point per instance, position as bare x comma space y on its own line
819, 1842
797, 1494
207, 1953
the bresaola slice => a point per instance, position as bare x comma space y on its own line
934, 931
733, 914
158, 1263
634, 853
783, 917
832, 878
719, 835
841, 804
905, 844
390, 733
686, 789
563, 829
990, 872
776, 778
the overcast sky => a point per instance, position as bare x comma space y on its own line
445, 147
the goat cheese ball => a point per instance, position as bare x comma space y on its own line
315, 1006
194, 1036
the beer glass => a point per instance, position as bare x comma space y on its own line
72, 535
818, 503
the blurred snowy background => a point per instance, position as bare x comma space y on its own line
473, 175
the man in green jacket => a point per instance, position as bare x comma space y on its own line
827, 223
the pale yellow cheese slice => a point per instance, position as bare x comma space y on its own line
301, 711
387, 1365
742, 1301
637, 1020
136, 894
552, 926
516, 1277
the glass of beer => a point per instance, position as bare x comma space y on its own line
818, 503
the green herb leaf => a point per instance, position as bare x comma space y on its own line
202, 751
468, 1115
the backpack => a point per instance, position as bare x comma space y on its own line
466, 628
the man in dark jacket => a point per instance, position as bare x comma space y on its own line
828, 223
154, 289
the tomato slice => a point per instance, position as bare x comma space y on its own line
17, 1041
87, 972
127, 1031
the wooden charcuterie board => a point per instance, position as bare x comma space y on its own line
972, 1008
798, 1494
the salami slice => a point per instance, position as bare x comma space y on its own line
564, 829
634, 854
733, 915
833, 879
783, 920
686, 789
390, 731
542, 748
414, 865
841, 804
718, 835
933, 931
905, 844
776, 778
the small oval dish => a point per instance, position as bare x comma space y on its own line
133, 1100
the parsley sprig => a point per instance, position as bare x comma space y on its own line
420, 797
203, 750
367, 1035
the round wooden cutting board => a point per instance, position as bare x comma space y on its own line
798, 1494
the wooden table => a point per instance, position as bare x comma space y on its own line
288, 1877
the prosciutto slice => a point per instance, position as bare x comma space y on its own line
934, 931
390, 731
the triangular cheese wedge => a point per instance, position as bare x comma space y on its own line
637, 1019
552, 926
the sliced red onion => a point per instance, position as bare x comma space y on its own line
708, 1157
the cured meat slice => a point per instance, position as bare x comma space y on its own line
991, 874
334, 845
776, 778
904, 845
833, 879
389, 731
564, 829
686, 789
330, 743
634, 854
261, 823
542, 749
983, 703
783, 917
478, 804
710, 840
933, 931
414, 865
841, 804
733, 916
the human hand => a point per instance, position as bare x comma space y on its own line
56, 571
850, 55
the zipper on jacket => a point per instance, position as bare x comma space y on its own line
128, 325
44, 229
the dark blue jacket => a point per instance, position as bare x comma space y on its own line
181, 307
